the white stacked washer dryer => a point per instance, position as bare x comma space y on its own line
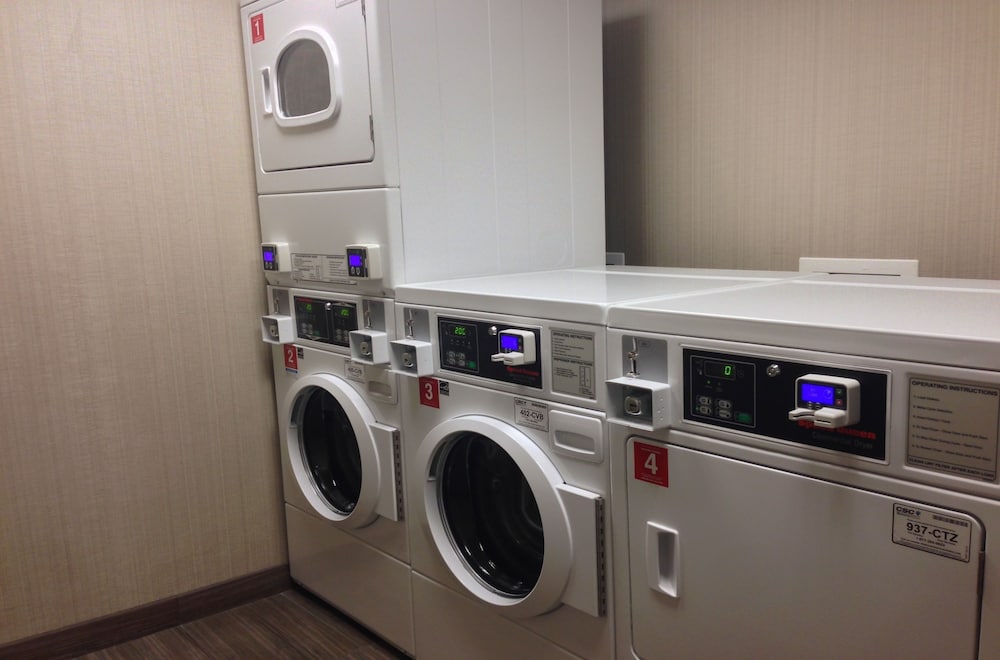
339, 431
822, 481
389, 137
507, 457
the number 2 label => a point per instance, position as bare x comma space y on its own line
650, 462
291, 358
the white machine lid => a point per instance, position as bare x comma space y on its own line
942, 321
581, 295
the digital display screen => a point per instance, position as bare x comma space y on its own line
510, 343
269, 256
814, 393
458, 330
720, 370
355, 260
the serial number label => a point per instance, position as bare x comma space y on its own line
355, 372
531, 414
944, 533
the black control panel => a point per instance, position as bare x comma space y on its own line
756, 394
468, 347
326, 321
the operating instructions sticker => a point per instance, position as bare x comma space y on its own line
945, 533
331, 268
953, 428
573, 363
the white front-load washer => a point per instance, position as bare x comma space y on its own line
341, 457
508, 526
823, 480
391, 136
507, 455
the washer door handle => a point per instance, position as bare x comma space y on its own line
663, 559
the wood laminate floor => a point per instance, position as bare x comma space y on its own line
292, 624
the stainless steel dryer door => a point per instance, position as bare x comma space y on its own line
735, 560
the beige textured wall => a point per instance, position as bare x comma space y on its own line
747, 133
137, 435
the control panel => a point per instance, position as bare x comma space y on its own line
364, 261
324, 320
516, 347
822, 406
499, 352
828, 401
275, 258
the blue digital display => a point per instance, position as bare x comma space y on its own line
355, 261
510, 343
269, 256
813, 393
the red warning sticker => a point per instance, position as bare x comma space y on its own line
257, 28
430, 393
651, 464
291, 358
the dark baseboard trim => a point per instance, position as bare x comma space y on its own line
140, 621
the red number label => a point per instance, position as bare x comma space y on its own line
257, 28
291, 358
430, 394
651, 464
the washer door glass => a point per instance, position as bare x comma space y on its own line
330, 448
491, 514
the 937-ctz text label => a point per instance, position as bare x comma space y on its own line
944, 533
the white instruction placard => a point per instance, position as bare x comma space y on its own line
531, 414
330, 268
573, 363
944, 533
953, 427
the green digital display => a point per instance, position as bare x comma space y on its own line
720, 370
459, 331
345, 311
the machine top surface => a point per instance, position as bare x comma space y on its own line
930, 320
582, 295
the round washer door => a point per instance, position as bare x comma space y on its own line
495, 515
332, 450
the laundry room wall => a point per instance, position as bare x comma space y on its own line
748, 133
138, 457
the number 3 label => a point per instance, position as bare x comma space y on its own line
429, 392
651, 464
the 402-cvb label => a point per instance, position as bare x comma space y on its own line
944, 533
531, 414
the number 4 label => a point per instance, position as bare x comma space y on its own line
651, 464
